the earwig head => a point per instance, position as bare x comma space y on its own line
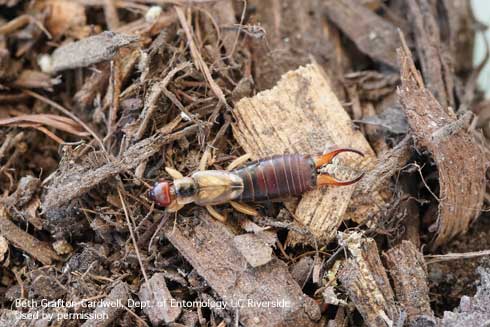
162, 194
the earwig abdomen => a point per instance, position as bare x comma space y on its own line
277, 177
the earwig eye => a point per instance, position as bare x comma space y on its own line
151, 195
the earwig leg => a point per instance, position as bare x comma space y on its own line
327, 158
174, 172
238, 162
203, 163
326, 179
174, 207
243, 208
215, 214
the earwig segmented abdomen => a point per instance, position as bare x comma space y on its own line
277, 177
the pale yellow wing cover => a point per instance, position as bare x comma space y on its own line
216, 187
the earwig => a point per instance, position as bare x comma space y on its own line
270, 179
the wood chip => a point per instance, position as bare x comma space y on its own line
409, 274
26, 242
89, 51
460, 161
111, 307
302, 115
209, 248
290, 38
366, 282
161, 307
431, 52
372, 34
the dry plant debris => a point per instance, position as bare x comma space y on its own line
210, 249
373, 35
409, 274
366, 281
460, 160
161, 308
98, 97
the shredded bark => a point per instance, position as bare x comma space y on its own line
461, 176
99, 98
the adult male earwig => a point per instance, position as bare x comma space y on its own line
269, 179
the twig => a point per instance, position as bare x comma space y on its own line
15, 24
133, 238
154, 96
197, 58
68, 113
410, 63
26, 242
455, 256
111, 14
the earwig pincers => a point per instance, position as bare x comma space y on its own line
269, 179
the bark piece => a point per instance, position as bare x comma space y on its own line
24, 241
28, 186
295, 31
160, 307
33, 79
472, 311
457, 31
407, 268
12, 318
366, 282
208, 246
372, 34
389, 163
89, 51
301, 270
253, 249
111, 307
438, 73
302, 115
460, 161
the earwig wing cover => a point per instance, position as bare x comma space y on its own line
216, 187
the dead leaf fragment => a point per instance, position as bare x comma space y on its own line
41, 121
64, 16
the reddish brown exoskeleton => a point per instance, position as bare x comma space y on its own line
269, 179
